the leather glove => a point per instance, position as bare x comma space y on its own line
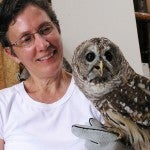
97, 138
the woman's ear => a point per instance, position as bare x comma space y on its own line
11, 54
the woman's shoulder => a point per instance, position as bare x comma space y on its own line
9, 92
11, 88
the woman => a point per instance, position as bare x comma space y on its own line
38, 114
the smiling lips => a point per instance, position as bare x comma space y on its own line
51, 54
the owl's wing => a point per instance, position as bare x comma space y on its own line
143, 83
133, 101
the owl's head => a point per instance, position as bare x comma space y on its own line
99, 61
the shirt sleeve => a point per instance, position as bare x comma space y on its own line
2, 114
1, 125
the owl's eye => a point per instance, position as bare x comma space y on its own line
108, 56
90, 56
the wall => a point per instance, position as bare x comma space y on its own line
114, 19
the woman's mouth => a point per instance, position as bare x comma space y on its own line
47, 57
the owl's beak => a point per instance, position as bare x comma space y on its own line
101, 67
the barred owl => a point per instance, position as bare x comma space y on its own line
121, 95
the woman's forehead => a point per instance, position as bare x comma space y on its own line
29, 19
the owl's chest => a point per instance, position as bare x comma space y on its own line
96, 91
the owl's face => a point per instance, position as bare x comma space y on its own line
98, 62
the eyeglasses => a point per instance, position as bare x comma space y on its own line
28, 40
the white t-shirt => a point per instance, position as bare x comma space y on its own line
26, 124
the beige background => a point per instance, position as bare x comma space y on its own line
114, 19
8, 71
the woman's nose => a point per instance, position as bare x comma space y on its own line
41, 43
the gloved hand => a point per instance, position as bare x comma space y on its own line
97, 138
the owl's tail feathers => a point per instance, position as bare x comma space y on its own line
139, 138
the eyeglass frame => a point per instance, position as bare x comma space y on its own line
47, 24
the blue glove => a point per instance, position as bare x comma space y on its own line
97, 138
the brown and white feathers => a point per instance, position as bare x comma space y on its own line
122, 96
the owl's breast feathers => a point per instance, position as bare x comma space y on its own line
132, 100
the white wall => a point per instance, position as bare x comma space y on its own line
85, 19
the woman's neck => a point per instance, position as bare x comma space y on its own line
48, 90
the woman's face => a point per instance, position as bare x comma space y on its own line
43, 57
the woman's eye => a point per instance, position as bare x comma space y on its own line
90, 56
26, 39
46, 30
109, 56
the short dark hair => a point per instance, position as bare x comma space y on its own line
9, 9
